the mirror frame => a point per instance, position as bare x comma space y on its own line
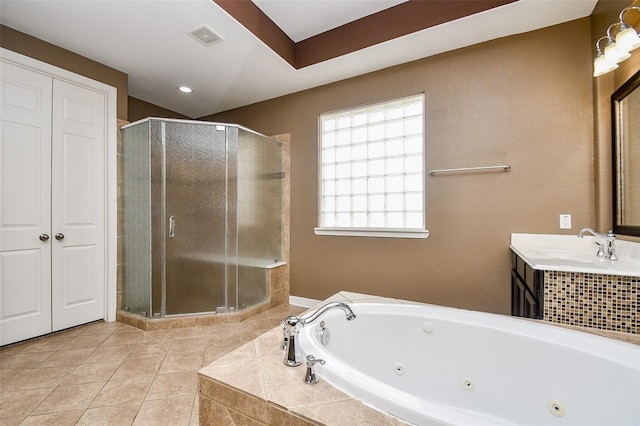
617, 96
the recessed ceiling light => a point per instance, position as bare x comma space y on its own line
185, 89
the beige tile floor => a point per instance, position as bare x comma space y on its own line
115, 374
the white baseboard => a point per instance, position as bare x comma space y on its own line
302, 301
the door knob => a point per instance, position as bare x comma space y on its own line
43, 237
59, 236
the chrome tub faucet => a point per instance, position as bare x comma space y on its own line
292, 325
609, 250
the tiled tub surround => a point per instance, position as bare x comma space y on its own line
115, 374
252, 386
586, 292
607, 302
278, 295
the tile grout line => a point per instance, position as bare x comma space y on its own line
58, 385
108, 379
144, 399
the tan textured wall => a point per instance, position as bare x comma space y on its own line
38, 49
139, 109
525, 100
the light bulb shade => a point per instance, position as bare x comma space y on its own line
628, 39
614, 54
602, 66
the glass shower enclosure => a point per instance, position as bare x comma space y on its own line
201, 216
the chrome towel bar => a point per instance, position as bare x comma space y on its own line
505, 167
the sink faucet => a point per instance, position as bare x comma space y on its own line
609, 251
292, 325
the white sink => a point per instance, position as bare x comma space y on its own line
572, 254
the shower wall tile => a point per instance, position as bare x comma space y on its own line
285, 138
279, 288
210, 319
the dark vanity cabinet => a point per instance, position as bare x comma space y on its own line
527, 289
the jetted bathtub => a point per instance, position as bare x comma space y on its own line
432, 365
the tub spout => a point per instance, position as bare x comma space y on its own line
292, 325
315, 315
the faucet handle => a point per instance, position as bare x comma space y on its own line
611, 246
285, 335
310, 377
311, 360
601, 252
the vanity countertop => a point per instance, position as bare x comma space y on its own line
572, 254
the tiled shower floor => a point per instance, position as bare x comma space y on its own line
115, 374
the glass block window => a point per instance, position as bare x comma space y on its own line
371, 162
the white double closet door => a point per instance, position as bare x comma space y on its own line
52, 195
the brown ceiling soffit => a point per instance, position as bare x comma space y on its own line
397, 21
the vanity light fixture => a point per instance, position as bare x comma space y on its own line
614, 52
602, 65
185, 89
618, 48
627, 37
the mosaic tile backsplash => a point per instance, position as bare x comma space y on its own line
607, 302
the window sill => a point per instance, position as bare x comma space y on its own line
373, 232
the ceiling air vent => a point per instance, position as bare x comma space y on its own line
205, 35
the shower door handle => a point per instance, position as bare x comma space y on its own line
172, 227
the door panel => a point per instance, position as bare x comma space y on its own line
23, 298
196, 199
78, 269
25, 200
78, 146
